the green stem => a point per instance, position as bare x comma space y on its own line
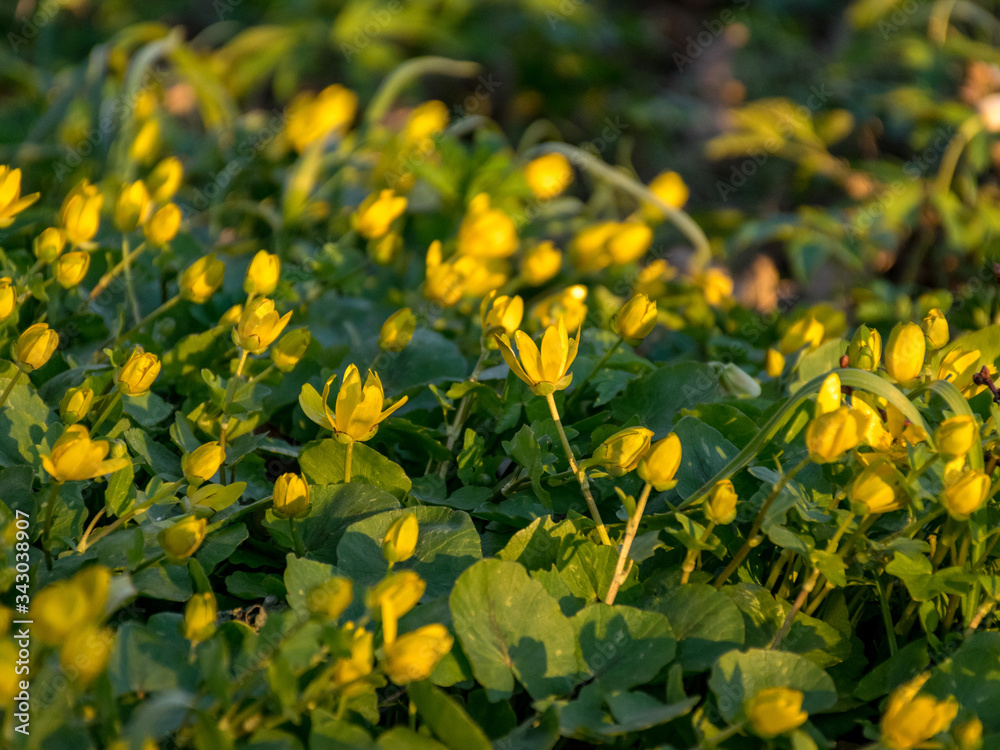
50, 504
630, 531
887, 618
603, 361
581, 475
10, 387
692, 554
348, 455
125, 517
107, 278
230, 392
455, 429
129, 283
410, 71
105, 411
300, 551
946, 171
152, 316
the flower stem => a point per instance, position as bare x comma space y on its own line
692, 555
296, 542
152, 316
604, 360
129, 283
455, 428
107, 278
581, 475
10, 387
230, 392
105, 411
50, 504
630, 531
348, 455
946, 171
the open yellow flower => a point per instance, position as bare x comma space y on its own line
545, 369
486, 232
569, 304
260, 324
610, 243
377, 212
75, 457
358, 411
774, 711
414, 655
312, 117
911, 719
11, 201
958, 366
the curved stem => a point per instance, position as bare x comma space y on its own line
630, 531
692, 554
107, 278
10, 387
581, 475
455, 429
603, 361
409, 71
105, 411
348, 455
129, 283
949, 162
152, 316
82, 546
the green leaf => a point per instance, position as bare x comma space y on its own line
705, 622
622, 646
447, 719
704, 452
24, 422
738, 428
322, 462
526, 451
159, 458
148, 409
121, 493
428, 358
822, 360
911, 660
923, 582
971, 675
510, 628
150, 658
301, 577
656, 397
403, 738
220, 545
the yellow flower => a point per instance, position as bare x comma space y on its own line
71, 268
396, 595
659, 466
416, 654
260, 324
291, 496
806, 331
829, 397
376, 213
904, 353
133, 206
81, 213
548, 175
358, 411
541, 263
964, 492
290, 349
139, 372
35, 346
201, 464
262, 274
85, 653
75, 457
774, 711
865, 349
501, 314
774, 363
146, 143
8, 297
331, 598
636, 319
720, 505
49, 244
165, 179
935, 329
200, 614
75, 404
958, 366
182, 538
59, 609
400, 539
956, 435
11, 201
911, 719
879, 487
9, 680
162, 226
545, 369
425, 121
969, 734
313, 117
568, 305
610, 243
716, 284
621, 453
397, 330
652, 279
359, 664
670, 188
486, 232
830, 435
200, 280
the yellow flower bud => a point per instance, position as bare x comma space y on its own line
865, 349
263, 273
636, 319
904, 354
49, 244
139, 372
829, 397
549, 175
486, 232
425, 121
11, 202
201, 464
775, 711
621, 453
181, 539
358, 411
806, 331
8, 297
400, 539
501, 314
720, 505
670, 188
397, 330
331, 598
75, 457
415, 655
81, 213
956, 435
162, 226
94, 581
880, 488
291, 496
661, 463
911, 719
541, 263
958, 366
396, 595
935, 328
545, 369
260, 324
965, 492
146, 143
376, 213
165, 179
774, 363
133, 206
231, 316
85, 653
200, 280
969, 734
35, 346
71, 268
9, 680
830, 435
75, 404
200, 614
716, 284
57, 610
359, 664
313, 117
290, 349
